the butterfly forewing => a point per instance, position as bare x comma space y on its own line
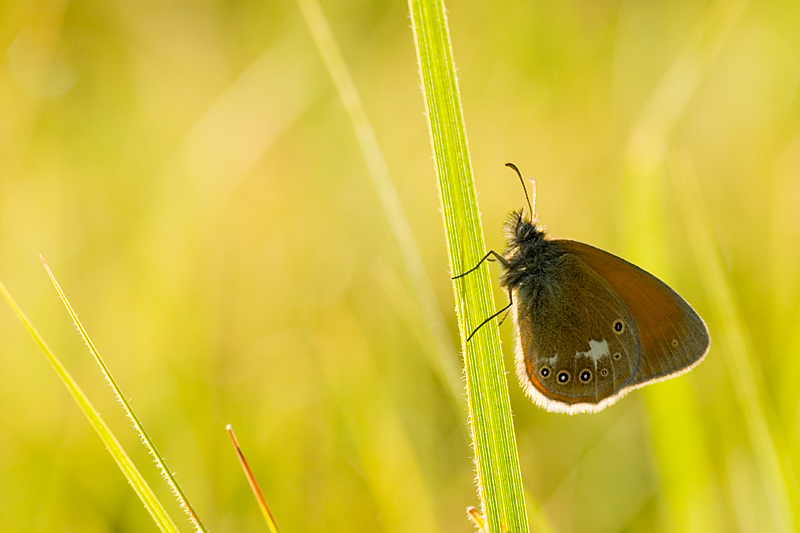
672, 336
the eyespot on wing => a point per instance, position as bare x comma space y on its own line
672, 335
565, 329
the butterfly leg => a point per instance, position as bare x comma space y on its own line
488, 256
506, 308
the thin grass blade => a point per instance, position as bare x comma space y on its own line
251, 478
443, 352
778, 479
151, 448
133, 476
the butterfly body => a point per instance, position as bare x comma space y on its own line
590, 326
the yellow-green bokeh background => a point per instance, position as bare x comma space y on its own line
189, 173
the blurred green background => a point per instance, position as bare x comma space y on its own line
189, 173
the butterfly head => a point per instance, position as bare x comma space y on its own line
522, 230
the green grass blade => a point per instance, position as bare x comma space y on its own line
684, 461
138, 483
443, 353
778, 479
151, 448
498, 472
650, 135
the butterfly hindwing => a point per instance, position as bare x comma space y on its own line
576, 340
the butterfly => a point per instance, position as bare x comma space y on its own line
589, 326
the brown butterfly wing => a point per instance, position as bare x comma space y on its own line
672, 336
570, 358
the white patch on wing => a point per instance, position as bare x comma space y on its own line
550, 361
597, 350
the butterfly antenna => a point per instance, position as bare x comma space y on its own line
525, 189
